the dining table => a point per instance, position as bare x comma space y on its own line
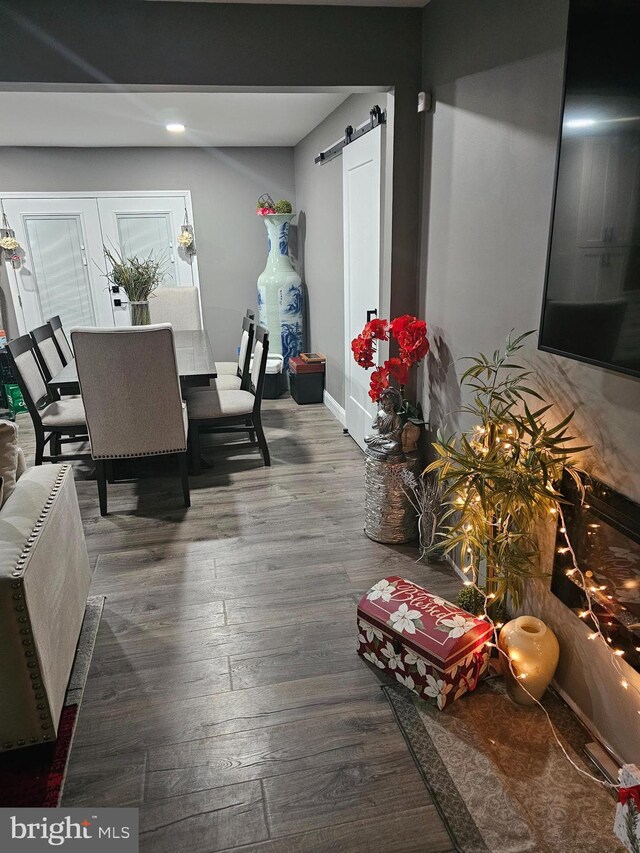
196, 365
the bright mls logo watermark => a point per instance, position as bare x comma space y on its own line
36, 830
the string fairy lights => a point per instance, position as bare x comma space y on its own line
499, 479
615, 655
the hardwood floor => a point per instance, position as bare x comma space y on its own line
225, 697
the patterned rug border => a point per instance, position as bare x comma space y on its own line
80, 669
465, 835
409, 723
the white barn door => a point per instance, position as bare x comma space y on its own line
361, 189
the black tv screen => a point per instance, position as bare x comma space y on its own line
591, 308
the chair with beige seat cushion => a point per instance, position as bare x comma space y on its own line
48, 353
230, 368
64, 349
241, 380
179, 306
214, 410
55, 422
131, 391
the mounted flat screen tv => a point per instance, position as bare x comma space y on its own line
591, 308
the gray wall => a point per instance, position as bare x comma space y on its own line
489, 156
125, 42
225, 184
320, 259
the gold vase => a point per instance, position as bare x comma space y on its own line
534, 652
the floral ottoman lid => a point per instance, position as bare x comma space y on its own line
437, 629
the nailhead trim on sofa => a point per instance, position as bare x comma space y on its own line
25, 631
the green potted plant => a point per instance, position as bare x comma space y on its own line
138, 279
501, 478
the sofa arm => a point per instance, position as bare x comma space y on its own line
44, 583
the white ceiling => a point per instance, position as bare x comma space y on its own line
94, 119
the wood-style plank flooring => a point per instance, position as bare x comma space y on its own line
225, 697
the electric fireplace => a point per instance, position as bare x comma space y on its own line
604, 532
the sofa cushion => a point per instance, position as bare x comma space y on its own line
22, 466
8, 456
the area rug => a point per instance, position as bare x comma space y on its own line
499, 780
34, 776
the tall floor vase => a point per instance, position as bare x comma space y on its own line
280, 302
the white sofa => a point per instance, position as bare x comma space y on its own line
44, 583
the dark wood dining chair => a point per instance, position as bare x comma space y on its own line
241, 380
62, 342
47, 351
212, 410
234, 368
55, 422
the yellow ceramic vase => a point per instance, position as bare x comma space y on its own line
534, 651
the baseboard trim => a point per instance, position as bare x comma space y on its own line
336, 410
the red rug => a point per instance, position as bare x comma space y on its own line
33, 776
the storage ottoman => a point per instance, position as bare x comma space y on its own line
306, 380
426, 643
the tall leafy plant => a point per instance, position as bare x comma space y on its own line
502, 477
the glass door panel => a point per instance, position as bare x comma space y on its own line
60, 270
57, 249
144, 235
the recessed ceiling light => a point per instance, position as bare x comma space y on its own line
175, 127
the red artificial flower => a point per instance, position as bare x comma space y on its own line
411, 335
362, 351
398, 369
376, 329
379, 381
400, 324
265, 211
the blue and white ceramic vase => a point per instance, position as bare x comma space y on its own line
280, 305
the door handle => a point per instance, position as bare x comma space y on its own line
372, 312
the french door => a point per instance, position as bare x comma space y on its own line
144, 226
63, 267
361, 193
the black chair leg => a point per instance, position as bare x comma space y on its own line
109, 470
194, 438
183, 461
252, 435
101, 476
262, 441
55, 445
40, 443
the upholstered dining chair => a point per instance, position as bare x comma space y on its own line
55, 422
241, 379
47, 351
131, 390
230, 368
213, 410
64, 349
179, 306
